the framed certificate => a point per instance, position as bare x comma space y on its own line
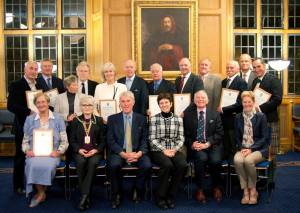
153, 105
261, 96
52, 94
29, 98
181, 102
106, 108
42, 142
228, 97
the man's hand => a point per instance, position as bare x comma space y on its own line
30, 154
55, 154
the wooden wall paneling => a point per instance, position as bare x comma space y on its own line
211, 4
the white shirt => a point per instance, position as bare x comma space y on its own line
85, 83
232, 78
186, 77
247, 75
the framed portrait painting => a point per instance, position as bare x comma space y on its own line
164, 32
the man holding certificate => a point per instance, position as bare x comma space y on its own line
45, 139
268, 86
230, 105
17, 104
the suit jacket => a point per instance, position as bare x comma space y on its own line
192, 85
229, 112
213, 87
252, 76
140, 91
213, 127
116, 133
91, 87
164, 87
17, 103
78, 134
272, 85
56, 83
261, 136
62, 105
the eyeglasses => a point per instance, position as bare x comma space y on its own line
87, 105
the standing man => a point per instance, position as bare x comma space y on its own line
187, 82
85, 86
203, 137
272, 85
17, 104
136, 85
235, 82
159, 84
246, 72
127, 134
47, 80
212, 84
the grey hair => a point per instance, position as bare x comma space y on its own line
86, 99
69, 80
203, 92
83, 64
127, 94
156, 64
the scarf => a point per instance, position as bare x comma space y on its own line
248, 130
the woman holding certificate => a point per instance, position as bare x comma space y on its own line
252, 139
44, 141
110, 89
87, 141
166, 140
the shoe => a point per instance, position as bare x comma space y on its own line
253, 199
136, 197
245, 199
35, 201
217, 194
162, 204
200, 197
171, 203
116, 202
82, 203
88, 202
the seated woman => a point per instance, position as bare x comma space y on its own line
40, 171
87, 142
166, 140
251, 136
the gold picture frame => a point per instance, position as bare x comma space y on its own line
163, 32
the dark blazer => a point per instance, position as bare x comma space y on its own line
78, 134
193, 85
140, 91
91, 87
229, 112
251, 78
56, 83
213, 127
17, 104
261, 134
272, 85
164, 87
116, 133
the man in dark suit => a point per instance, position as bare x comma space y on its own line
272, 85
136, 85
127, 134
233, 82
187, 82
17, 104
203, 137
159, 84
246, 72
46, 80
85, 86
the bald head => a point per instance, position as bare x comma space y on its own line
204, 67
129, 68
245, 62
185, 66
31, 70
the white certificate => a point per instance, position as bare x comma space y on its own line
181, 102
261, 96
106, 108
153, 105
42, 142
29, 98
52, 94
228, 97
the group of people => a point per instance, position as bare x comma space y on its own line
204, 133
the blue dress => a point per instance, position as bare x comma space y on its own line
41, 170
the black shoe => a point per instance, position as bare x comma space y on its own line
82, 203
171, 203
137, 196
116, 202
162, 204
88, 202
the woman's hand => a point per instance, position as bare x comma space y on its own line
246, 152
71, 117
30, 154
55, 154
169, 152
91, 153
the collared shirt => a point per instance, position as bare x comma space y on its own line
31, 84
129, 82
85, 83
186, 77
50, 116
125, 117
156, 84
232, 78
204, 116
247, 75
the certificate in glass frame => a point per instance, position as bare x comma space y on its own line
42, 142
181, 102
228, 97
106, 108
153, 105
52, 94
29, 98
261, 96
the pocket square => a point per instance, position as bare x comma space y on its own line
211, 121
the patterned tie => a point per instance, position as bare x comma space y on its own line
49, 83
245, 77
155, 86
128, 135
200, 129
82, 88
181, 84
228, 83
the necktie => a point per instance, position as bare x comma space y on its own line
155, 86
228, 83
245, 77
181, 84
200, 129
49, 83
128, 83
82, 88
128, 135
